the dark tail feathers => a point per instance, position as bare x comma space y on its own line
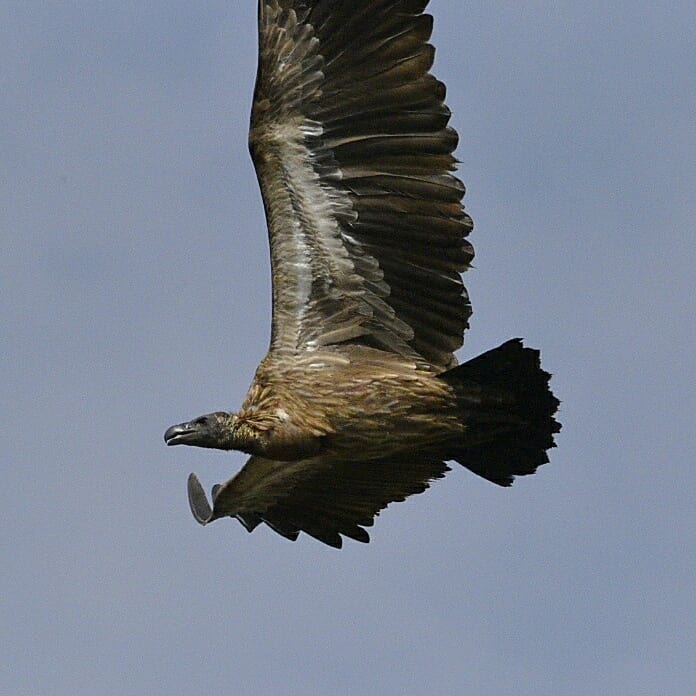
508, 409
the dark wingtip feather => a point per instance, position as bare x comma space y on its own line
198, 502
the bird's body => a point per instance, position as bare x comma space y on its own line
360, 401
355, 406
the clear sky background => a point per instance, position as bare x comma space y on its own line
135, 293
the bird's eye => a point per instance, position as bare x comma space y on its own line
203, 420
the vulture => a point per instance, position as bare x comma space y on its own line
360, 401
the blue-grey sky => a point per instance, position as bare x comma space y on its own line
136, 293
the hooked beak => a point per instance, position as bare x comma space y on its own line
182, 434
204, 431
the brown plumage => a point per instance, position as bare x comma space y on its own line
359, 402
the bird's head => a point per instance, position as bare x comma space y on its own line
215, 430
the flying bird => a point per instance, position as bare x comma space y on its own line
360, 401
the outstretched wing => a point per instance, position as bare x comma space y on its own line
323, 498
353, 154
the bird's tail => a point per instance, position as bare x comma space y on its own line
508, 411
